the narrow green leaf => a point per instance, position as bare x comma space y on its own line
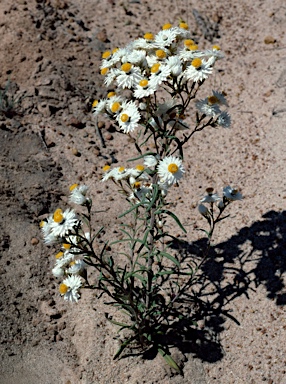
173, 216
154, 197
170, 257
130, 210
123, 346
145, 154
170, 360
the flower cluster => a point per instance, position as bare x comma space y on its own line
64, 227
168, 171
229, 194
170, 60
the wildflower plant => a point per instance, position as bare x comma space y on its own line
152, 83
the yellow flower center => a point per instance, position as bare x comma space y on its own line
189, 42
143, 83
66, 246
137, 184
104, 71
106, 54
106, 168
212, 100
173, 168
121, 169
216, 47
126, 67
111, 94
115, 50
115, 107
193, 47
140, 167
197, 63
63, 289
149, 36
72, 263
124, 117
184, 25
42, 224
58, 215
167, 26
72, 187
160, 54
59, 255
94, 104
155, 67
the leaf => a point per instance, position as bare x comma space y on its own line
130, 210
170, 257
169, 360
154, 197
123, 346
142, 156
173, 216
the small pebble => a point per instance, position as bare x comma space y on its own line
269, 40
34, 241
75, 152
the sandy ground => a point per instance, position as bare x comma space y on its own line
50, 52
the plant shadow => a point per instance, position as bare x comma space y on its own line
255, 256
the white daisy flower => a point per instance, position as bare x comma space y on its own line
129, 76
111, 76
114, 104
203, 210
175, 65
198, 70
210, 197
129, 117
145, 44
159, 73
170, 169
165, 38
69, 288
63, 222
98, 107
144, 89
137, 57
224, 120
137, 173
78, 194
231, 194
64, 258
118, 173
58, 271
76, 267
150, 161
